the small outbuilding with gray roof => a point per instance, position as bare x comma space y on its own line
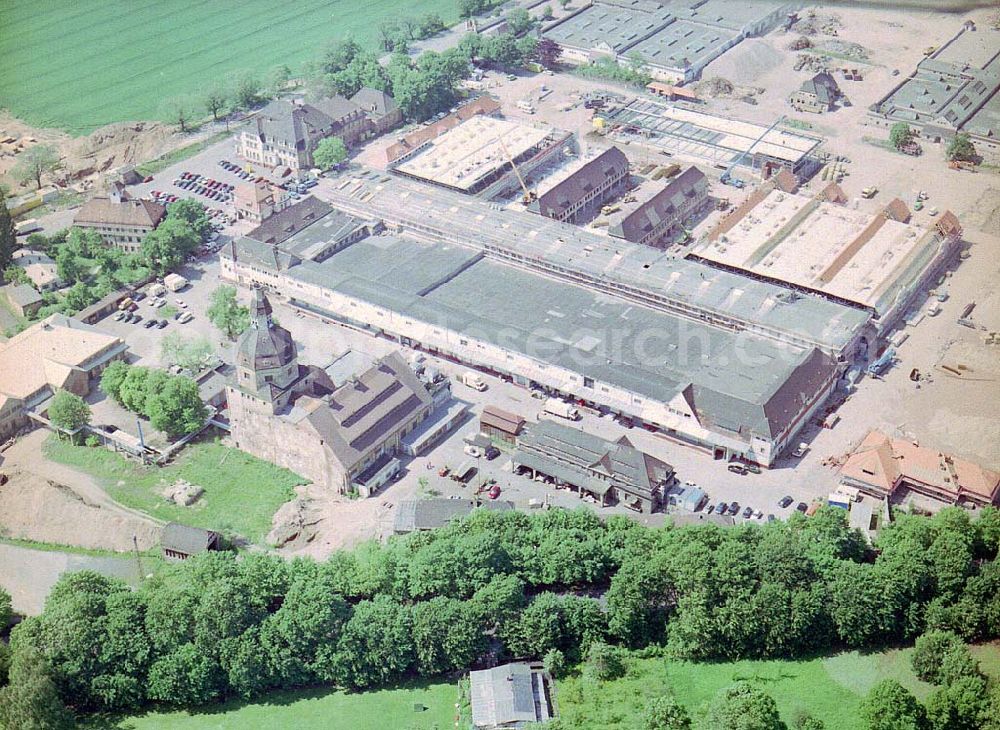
180, 542
510, 696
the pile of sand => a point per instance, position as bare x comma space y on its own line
747, 62
33, 508
115, 145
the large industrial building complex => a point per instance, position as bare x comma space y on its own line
711, 139
712, 358
881, 261
952, 90
674, 39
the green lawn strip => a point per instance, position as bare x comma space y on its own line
180, 154
830, 688
242, 493
315, 708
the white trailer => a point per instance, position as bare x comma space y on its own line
564, 410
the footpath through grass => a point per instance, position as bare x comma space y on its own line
79, 66
830, 688
395, 708
242, 493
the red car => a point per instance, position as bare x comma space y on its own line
494, 491
443, 471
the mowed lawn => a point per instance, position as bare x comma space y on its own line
320, 709
81, 65
830, 688
242, 493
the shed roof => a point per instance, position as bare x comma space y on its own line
503, 695
186, 539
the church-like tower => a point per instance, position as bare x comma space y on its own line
266, 357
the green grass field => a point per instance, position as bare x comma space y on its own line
79, 66
242, 493
830, 688
329, 710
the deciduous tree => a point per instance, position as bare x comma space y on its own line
35, 162
743, 706
329, 153
890, 706
69, 411
228, 314
665, 713
8, 235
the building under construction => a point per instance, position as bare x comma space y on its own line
709, 138
484, 156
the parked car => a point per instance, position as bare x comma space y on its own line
119, 316
492, 452
494, 491
136, 318
748, 513
737, 468
443, 471
150, 323
752, 468
161, 324
722, 508
734, 509
802, 507
785, 501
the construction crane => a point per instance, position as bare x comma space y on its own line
529, 196
726, 179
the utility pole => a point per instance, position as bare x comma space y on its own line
138, 560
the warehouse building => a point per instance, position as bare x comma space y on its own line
880, 261
709, 138
734, 393
477, 156
674, 40
660, 213
953, 90
576, 193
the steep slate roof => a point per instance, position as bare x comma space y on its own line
264, 344
286, 223
620, 460
374, 102
290, 123
776, 413
663, 205
823, 86
187, 540
609, 164
263, 255
336, 108
360, 412
104, 211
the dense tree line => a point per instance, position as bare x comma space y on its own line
516, 585
172, 403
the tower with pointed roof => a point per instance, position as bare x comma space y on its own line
266, 357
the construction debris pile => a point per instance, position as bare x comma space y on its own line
183, 493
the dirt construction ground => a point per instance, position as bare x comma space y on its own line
48, 502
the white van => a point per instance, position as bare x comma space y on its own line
472, 380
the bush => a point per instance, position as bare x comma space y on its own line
555, 663
92, 441
929, 651
605, 662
